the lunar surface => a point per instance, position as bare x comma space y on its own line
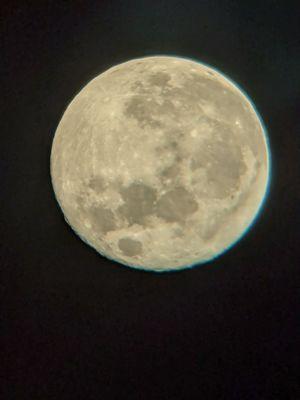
160, 163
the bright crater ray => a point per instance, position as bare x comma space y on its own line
160, 163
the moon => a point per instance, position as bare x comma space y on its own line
160, 163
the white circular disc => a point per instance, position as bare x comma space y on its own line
160, 163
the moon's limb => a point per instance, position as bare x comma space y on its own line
160, 163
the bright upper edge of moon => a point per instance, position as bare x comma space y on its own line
160, 163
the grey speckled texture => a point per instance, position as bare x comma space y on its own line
160, 163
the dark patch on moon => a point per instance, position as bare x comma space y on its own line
138, 87
139, 201
195, 164
178, 233
130, 247
102, 219
168, 108
225, 168
143, 110
173, 144
146, 106
171, 172
159, 79
176, 204
223, 163
97, 183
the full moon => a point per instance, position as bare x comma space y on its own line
160, 163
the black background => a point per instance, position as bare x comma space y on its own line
75, 325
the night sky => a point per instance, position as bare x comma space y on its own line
75, 325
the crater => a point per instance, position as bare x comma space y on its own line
130, 247
139, 201
176, 205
